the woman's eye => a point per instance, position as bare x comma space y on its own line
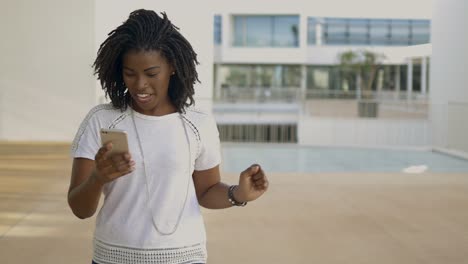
129, 74
152, 74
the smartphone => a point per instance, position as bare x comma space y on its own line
117, 137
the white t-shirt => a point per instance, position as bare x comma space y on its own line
125, 232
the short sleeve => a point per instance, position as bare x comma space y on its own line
87, 140
210, 152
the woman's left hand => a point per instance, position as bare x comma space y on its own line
253, 183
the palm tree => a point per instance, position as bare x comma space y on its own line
362, 66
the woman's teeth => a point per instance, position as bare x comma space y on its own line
143, 95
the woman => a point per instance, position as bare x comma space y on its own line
151, 210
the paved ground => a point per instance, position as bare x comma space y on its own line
305, 218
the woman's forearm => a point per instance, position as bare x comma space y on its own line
84, 198
216, 197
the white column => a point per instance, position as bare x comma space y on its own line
303, 32
217, 83
227, 32
424, 75
303, 92
397, 82
358, 87
409, 79
318, 32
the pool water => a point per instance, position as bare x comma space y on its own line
294, 158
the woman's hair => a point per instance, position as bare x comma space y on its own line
144, 30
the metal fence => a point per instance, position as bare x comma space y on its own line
278, 133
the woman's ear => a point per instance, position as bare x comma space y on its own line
172, 70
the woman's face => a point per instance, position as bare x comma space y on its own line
146, 75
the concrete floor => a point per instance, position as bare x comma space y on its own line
304, 218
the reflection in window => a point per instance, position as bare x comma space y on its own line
336, 31
420, 32
333, 78
239, 29
260, 76
400, 30
358, 31
266, 31
396, 32
258, 31
318, 77
217, 29
379, 32
285, 31
311, 32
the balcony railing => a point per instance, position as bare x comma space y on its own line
258, 95
328, 103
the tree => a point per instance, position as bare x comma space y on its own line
361, 66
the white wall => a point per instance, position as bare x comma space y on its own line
363, 132
448, 77
46, 83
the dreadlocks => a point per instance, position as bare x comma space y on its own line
144, 30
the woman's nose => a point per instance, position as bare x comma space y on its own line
142, 83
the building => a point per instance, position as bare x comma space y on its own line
272, 70
48, 54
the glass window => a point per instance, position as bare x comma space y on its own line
291, 76
235, 76
379, 32
336, 31
420, 32
318, 77
259, 31
311, 24
263, 76
286, 31
403, 76
358, 31
266, 31
239, 31
400, 32
417, 77
352, 31
260, 76
217, 29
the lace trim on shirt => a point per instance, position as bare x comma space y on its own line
85, 122
105, 253
195, 131
118, 120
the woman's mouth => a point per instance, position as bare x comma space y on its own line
143, 98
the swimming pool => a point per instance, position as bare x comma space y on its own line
294, 158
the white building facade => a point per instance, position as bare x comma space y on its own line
276, 77
47, 86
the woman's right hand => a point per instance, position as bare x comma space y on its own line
109, 168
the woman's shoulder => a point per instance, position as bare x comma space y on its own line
103, 114
104, 111
101, 109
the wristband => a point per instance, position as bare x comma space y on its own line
231, 198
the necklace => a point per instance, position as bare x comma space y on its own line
147, 180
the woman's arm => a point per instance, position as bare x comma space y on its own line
213, 194
89, 176
85, 190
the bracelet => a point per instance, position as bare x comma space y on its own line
231, 198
